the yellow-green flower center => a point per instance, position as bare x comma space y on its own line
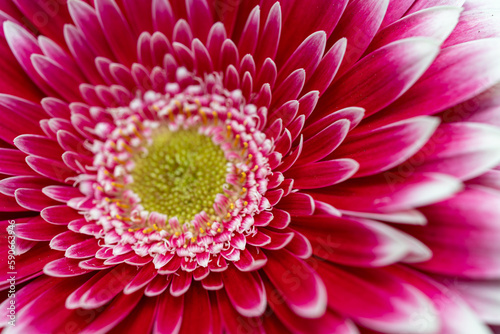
180, 175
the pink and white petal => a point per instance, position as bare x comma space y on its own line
305, 294
246, 292
64, 267
435, 22
359, 242
483, 296
359, 24
33, 199
23, 45
483, 108
144, 276
463, 235
442, 87
107, 286
37, 229
322, 174
463, 150
389, 304
45, 313
117, 31
388, 192
329, 322
120, 308
324, 142
324, 15
382, 76
19, 117
454, 313
423, 4
169, 314
386, 147
232, 320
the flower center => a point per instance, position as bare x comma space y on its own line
180, 175
183, 173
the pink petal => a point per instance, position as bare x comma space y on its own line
432, 93
386, 147
388, 305
322, 174
324, 142
436, 23
197, 316
388, 192
64, 268
464, 150
117, 31
381, 77
246, 292
305, 294
169, 314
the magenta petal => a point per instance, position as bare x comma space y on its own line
59, 214
180, 283
64, 268
383, 76
197, 317
83, 249
359, 242
386, 147
38, 230
39, 145
57, 77
232, 320
52, 169
353, 114
13, 162
327, 68
308, 301
246, 292
324, 142
158, 285
116, 30
469, 235
33, 199
297, 204
116, 311
19, 116
325, 324
23, 45
200, 18
307, 56
388, 303
389, 192
270, 37
463, 150
322, 174
436, 23
145, 275
359, 23
476, 60
474, 25
213, 282
107, 287
9, 185
169, 314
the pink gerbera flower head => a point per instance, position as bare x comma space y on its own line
250, 166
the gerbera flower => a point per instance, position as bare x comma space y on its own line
250, 166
